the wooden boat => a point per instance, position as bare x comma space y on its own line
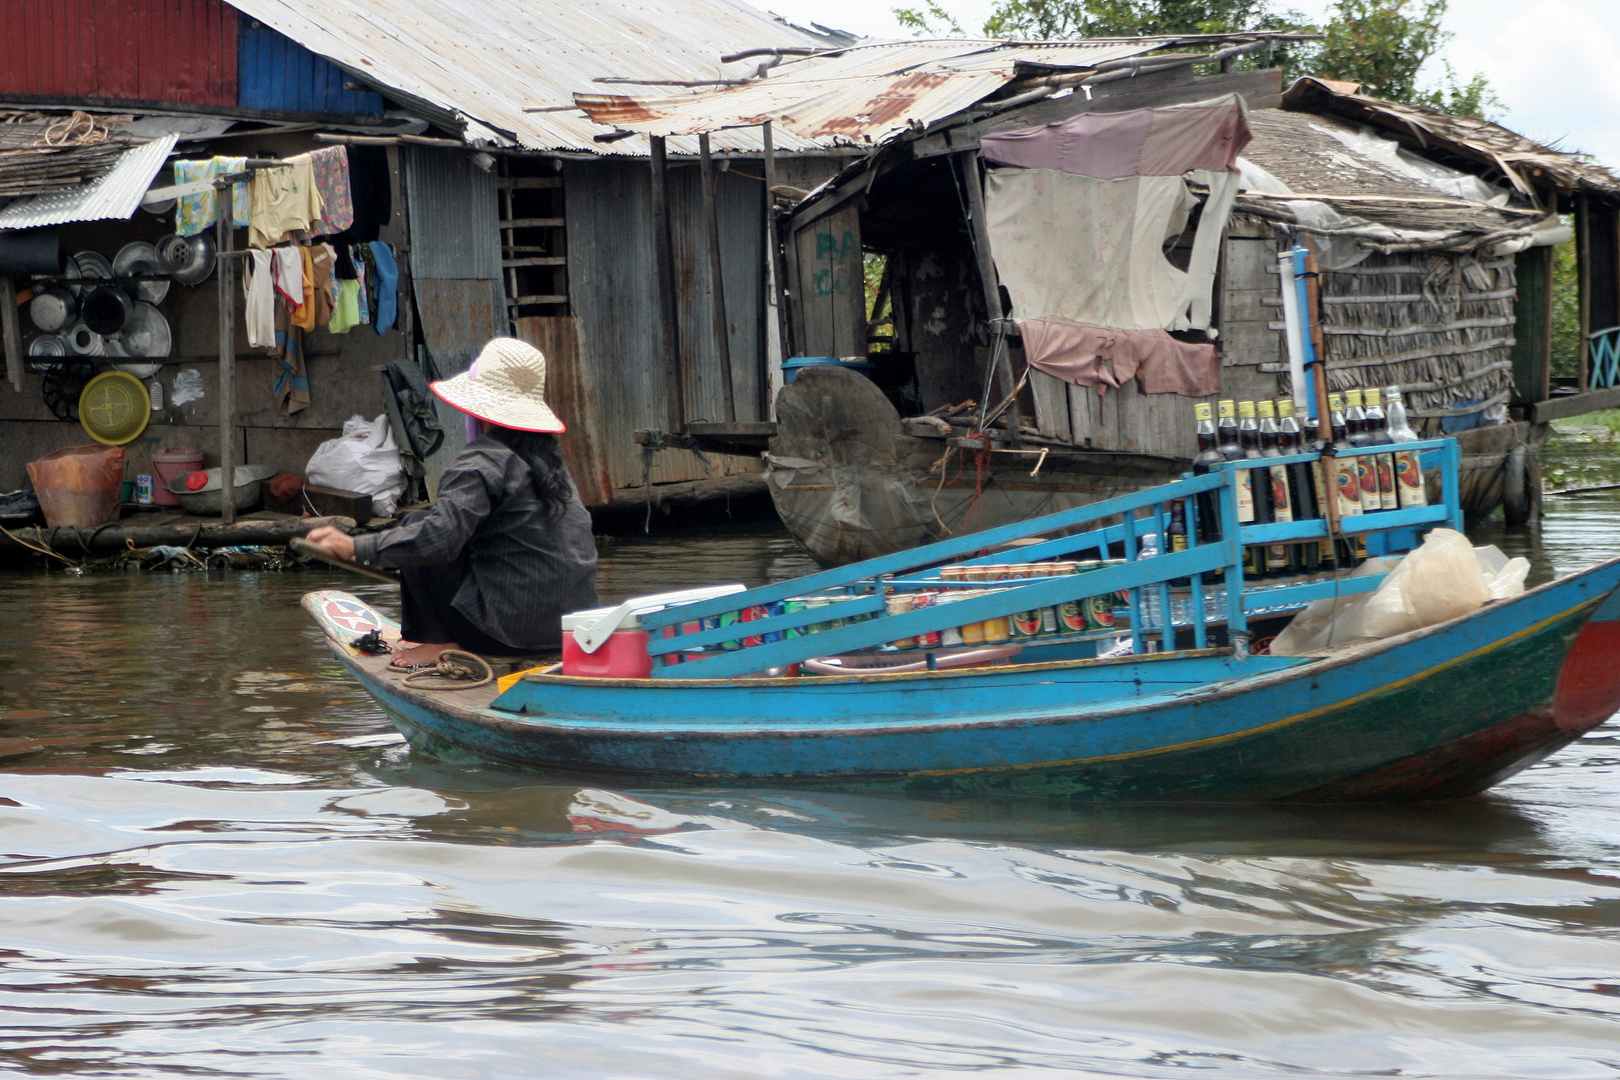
1443, 711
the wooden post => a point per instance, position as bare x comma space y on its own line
227, 358
1324, 415
774, 247
717, 283
669, 327
992, 285
11, 333
1583, 270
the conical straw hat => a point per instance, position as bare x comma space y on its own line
506, 385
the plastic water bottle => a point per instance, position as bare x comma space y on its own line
1152, 613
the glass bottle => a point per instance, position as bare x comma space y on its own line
1355, 422
1346, 484
1279, 557
1408, 464
1378, 435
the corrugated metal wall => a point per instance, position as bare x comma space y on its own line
277, 74
455, 221
148, 50
610, 272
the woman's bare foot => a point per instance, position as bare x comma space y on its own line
420, 655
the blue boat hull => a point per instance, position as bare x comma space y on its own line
1441, 712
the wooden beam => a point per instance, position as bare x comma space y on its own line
1583, 263
529, 182
536, 260
717, 281
992, 285
1574, 405
774, 240
224, 237
533, 223
669, 330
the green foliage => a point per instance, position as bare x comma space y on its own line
930, 20
1382, 43
1566, 311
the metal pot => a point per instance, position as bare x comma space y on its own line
249, 479
106, 309
140, 259
146, 333
190, 259
53, 308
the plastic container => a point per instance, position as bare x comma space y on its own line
79, 486
791, 366
170, 463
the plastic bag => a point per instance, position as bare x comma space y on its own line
364, 460
1333, 621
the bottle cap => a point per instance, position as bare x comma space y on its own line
1352, 398
1267, 408
1203, 411
1246, 409
1372, 396
1335, 402
1392, 393
1228, 407
1285, 407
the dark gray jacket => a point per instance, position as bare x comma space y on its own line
525, 570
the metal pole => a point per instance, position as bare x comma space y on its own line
717, 283
992, 287
664, 276
227, 359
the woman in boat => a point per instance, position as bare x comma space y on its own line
506, 549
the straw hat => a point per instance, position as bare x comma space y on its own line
506, 385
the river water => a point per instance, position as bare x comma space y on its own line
217, 859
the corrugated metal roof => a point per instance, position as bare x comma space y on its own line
485, 60
864, 95
115, 195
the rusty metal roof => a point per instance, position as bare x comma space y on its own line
864, 94
483, 61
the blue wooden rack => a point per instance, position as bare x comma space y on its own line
682, 647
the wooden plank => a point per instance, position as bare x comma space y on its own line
539, 298
1574, 405
537, 260
1532, 332
11, 333
832, 300
1583, 258
1248, 343
533, 223
1051, 404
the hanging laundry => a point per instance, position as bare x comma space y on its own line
291, 387
331, 169
387, 285
1106, 190
288, 270
259, 292
344, 267
282, 200
346, 311
362, 296
369, 277
194, 213
322, 259
303, 316
372, 189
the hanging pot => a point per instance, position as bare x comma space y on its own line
140, 259
83, 341
147, 333
106, 309
190, 259
53, 308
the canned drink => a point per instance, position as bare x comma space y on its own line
997, 630
754, 613
1027, 624
1099, 612
729, 618
899, 605
929, 639
773, 609
791, 607
143, 488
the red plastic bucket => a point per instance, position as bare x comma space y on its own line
168, 463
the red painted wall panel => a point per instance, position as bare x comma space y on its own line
181, 51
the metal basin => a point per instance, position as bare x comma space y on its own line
249, 482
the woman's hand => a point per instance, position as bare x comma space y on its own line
336, 541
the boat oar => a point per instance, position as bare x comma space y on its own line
315, 551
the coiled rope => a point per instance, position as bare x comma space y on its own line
455, 670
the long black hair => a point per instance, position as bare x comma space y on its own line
547, 472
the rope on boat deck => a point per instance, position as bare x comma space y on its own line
455, 667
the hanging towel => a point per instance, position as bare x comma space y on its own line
303, 316
331, 170
387, 285
194, 213
369, 278
292, 382
362, 296
346, 312
282, 200
323, 259
259, 292
372, 188
289, 275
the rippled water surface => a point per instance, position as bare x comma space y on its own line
217, 859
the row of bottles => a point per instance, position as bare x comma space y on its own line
1365, 484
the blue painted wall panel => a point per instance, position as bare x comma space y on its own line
277, 74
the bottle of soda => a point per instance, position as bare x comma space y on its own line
1408, 464
1377, 433
1346, 484
1176, 534
1279, 557
1355, 422
1254, 556
1301, 487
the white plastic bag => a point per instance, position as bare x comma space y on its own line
365, 459
1333, 621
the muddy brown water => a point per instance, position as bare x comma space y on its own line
217, 859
